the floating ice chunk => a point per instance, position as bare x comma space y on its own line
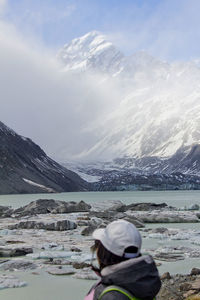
53, 246
158, 236
7, 232
196, 241
51, 254
86, 273
181, 236
61, 271
82, 258
10, 282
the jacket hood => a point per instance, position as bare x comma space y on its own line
138, 275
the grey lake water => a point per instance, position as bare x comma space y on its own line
173, 198
49, 287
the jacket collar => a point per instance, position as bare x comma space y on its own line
125, 264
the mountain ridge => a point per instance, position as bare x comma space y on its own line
25, 168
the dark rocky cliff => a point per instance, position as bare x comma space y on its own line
25, 168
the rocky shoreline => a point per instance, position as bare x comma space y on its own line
180, 287
55, 236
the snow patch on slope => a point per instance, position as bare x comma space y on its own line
43, 187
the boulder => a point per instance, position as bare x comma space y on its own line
57, 261
167, 216
170, 257
146, 206
118, 207
12, 252
80, 265
75, 249
179, 287
109, 216
106, 215
5, 211
166, 275
135, 221
45, 206
185, 286
89, 230
57, 226
70, 207
193, 207
93, 224
108, 205
52, 246
14, 242
160, 230
2, 261
195, 271
20, 264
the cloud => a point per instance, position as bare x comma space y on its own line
2, 5
59, 111
48, 14
53, 108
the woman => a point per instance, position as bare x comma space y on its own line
124, 272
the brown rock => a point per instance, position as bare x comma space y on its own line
80, 265
185, 286
195, 271
193, 297
75, 249
196, 284
165, 276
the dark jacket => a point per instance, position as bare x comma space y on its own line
139, 276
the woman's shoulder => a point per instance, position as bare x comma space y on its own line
112, 295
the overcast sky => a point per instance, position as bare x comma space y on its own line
50, 107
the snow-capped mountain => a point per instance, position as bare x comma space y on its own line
159, 109
90, 52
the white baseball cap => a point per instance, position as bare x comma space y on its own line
119, 235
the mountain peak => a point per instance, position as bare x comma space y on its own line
90, 37
91, 51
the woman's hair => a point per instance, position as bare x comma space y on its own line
107, 258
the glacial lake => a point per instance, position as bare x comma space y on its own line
173, 198
49, 287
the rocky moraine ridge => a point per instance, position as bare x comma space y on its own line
55, 237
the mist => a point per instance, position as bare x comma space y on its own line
64, 112
57, 110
